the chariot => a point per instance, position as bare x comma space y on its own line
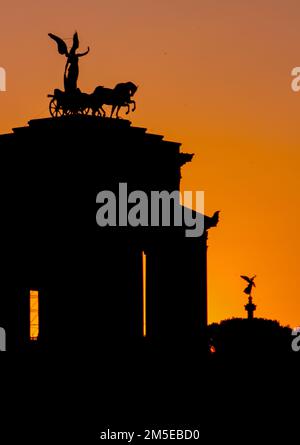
66, 104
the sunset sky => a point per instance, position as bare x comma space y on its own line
214, 75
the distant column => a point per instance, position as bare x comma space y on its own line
250, 308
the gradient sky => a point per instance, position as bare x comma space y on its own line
213, 75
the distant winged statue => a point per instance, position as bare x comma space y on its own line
250, 282
72, 66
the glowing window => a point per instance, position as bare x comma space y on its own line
34, 315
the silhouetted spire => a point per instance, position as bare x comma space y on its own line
250, 308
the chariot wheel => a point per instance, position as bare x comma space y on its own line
55, 108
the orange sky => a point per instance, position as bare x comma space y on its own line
213, 75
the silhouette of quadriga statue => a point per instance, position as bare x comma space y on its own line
73, 101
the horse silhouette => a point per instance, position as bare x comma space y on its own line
120, 96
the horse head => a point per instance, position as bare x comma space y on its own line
132, 87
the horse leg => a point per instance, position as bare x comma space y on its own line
113, 110
103, 111
118, 109
134, 105
128, 108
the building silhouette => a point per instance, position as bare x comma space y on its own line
90, 281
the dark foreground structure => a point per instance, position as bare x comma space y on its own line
90, 281
91, 300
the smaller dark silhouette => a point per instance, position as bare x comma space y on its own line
214, 220
250, 306
238, 338
250, 282
72, 65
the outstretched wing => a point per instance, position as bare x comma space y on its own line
75, 42
246, 278
61, 46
